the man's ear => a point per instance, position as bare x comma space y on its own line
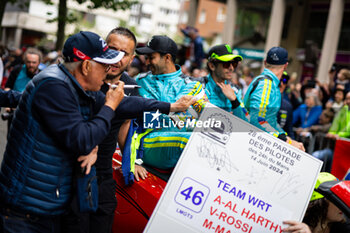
168, 57
132, 58
86, 67
211, 66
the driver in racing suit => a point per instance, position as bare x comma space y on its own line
163, 145
263, 97
221, 65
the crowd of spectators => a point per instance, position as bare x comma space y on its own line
315, 105
316, 109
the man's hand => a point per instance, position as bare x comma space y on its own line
296, 227
228, 91
115, 95
332, 136
182, 104
140, 172
296, 144
88, 160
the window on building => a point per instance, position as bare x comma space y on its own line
183, 18
221, 15
202, 17
133, 20
135, 8
147, 8
163, 26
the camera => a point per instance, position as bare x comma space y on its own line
6, 115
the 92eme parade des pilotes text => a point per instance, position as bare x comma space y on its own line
273, 155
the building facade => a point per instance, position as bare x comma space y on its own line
315, 32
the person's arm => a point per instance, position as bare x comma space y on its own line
237, 105
296, 227
122, 134
345, 129
260, 110
336, 124
56, 108
12, 77
134, 106
9, 98
86, 161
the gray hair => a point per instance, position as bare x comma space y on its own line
270, 66
71, 66
315, 97
33, 51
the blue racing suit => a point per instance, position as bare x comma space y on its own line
163, 147
263, 101
216, 97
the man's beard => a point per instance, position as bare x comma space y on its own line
112, 76
31, 74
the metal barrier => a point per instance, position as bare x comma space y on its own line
316, 142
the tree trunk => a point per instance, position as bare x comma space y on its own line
62, 15
2, 11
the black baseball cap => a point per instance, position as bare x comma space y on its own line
89, 46
277, 56
223, 53
159, 44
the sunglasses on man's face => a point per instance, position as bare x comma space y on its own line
227, 64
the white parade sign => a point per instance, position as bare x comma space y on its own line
235, 179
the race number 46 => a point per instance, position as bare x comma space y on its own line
192, 195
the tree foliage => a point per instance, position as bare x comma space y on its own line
108, 4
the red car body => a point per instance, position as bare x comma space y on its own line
136, 202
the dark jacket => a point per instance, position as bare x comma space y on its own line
9, 98
285, 117
55, 122
107, 147
36, 173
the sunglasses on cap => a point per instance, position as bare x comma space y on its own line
227, 64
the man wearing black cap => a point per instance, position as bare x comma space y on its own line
164, 83
60, 116
263, 97
221, 65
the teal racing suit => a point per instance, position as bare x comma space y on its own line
216, 97
263, 101
162, 147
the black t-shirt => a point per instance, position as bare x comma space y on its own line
109, 144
